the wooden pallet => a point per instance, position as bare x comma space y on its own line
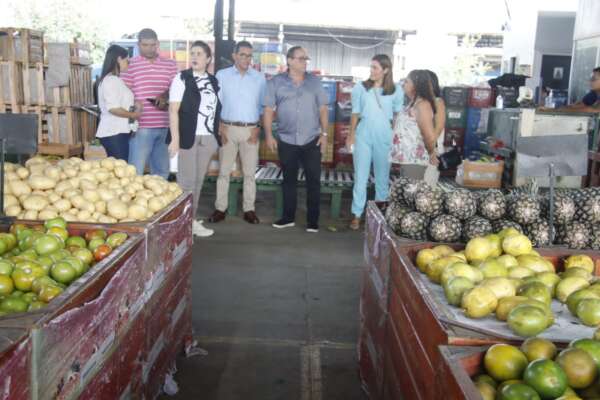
78, 92
21, 84
11, 86
62, 150
80, 54
22, 45
67, 125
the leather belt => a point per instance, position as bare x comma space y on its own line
242, 124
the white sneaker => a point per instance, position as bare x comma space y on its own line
199, 230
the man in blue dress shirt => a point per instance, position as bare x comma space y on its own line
301, 104
591, 101
241, 94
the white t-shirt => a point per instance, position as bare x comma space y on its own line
113, 93
208, 101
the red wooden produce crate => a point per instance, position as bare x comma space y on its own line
480, 97
15, 348
458, 366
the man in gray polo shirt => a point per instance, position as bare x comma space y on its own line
301, 105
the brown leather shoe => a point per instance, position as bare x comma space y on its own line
251, 218
217, 216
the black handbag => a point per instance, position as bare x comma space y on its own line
449, 160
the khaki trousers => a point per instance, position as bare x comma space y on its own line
193, 164
237, 141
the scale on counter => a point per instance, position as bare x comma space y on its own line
18, 135
549, 157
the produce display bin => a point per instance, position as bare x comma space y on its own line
15, 348
70, 347
168, 236
458, 366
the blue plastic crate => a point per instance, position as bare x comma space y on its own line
331, 112
473, 118
330, 88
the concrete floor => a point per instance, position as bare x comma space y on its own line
277, 311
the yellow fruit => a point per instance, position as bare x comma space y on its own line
504, 362
534, 263
582, 261
538, 348
478, 249
461, 269
508, 232
501, 287
443, 250
496, 243
508, 261
492, 269
516, 245
479, 302
569, 285
506, 304
520, 272
435, 268
424, 257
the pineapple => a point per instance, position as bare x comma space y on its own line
505, 223
524, 209
577, 235
539, 233
595, 238
429, 201
445, 228
396, 190
410, 189
564, 209
492, 204
475, 227
414, 226
588, 209
394, 214
460, 204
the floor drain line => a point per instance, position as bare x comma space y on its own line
310, 359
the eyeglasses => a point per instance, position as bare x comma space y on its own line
305, 59
244, 55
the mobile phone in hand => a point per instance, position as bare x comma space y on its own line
153, 101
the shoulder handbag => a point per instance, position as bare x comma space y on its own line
450, 159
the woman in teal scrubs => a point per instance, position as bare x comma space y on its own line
375, 103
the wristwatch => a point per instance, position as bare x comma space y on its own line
324, 134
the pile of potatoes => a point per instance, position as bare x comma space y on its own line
106, 191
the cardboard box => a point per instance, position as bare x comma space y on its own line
93, 152
480, 174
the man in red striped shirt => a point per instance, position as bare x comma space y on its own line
149, 77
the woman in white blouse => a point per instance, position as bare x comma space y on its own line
117, 108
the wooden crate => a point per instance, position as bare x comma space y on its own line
21, 84
78, 92
68, 125
22, 45
11, 86
39, 111
80, 53
459, 365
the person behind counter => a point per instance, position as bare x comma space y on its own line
591, 101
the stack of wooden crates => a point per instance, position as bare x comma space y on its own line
63, 126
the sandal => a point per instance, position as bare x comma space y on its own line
355, 224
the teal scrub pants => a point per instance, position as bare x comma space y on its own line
372, 145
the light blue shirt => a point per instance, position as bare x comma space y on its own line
241, 95
373, 104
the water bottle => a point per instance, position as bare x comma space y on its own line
549, 102
499, 102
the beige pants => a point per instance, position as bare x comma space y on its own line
193, 164
237, 141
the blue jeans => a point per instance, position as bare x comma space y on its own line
116, 146
148, 146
